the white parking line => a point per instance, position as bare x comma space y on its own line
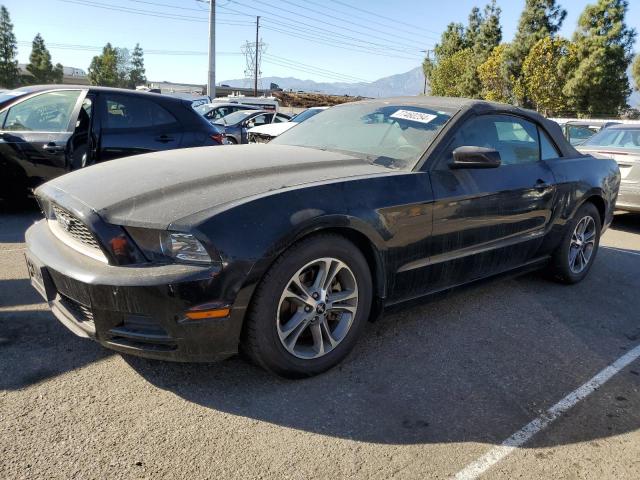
621, 250
522, 436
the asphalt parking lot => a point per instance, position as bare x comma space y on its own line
426, 392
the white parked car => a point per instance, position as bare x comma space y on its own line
266, 133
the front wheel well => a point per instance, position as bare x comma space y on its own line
368, 249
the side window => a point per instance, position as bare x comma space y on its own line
261, 119
280, 118
548, 150
125, 111
49, 112
514, 138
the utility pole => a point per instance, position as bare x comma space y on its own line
255, 78
211, 78
428, 57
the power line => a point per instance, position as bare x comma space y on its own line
296, 64
331, 32
368, 12
171, 16
94, 48
394, 36
339, 45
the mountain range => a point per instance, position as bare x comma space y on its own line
408, 83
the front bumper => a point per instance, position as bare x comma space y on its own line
628, 198
133, 309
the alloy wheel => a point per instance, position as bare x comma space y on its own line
317, 308
582, 245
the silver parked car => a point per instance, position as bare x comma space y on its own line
622, 143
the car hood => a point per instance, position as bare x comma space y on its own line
157, 189
273, 129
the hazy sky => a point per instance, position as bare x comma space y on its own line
322, 40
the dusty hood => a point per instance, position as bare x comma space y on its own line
156, 189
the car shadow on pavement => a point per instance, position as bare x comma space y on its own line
35, 347
476, 365
16, 219
627, 222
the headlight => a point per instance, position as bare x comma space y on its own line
185, 247
160, 245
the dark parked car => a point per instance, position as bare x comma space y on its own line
49, 130
288, 248
238, 123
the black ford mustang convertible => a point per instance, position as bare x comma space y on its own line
285, 250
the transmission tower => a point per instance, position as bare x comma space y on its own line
249, 50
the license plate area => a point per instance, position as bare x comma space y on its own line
39, 278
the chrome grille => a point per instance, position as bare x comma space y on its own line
71, 225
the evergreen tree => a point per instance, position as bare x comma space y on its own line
479, 37
473, 27
544, 73
137, 72
104, 68
482, 42
40, 65
123, 66
635, 72
9, 72
445, 77
599, 84
539, 19
452, 41
494, 77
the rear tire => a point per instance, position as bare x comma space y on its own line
574, 257
310, 307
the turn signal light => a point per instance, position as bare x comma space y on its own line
203, 314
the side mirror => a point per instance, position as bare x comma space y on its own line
475, 157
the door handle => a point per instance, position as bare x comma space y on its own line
53, 148
541, 185
164, 139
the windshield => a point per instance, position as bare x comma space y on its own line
393, 135
203, 109
305, 115
616, 137
235, 117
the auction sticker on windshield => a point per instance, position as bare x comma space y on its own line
413, 116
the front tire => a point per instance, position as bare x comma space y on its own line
310, 308
574, 257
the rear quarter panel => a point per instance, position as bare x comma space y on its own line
579, 179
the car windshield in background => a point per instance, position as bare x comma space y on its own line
11, 94
235, 117
203, 109
616, 138
306, 115
392, 135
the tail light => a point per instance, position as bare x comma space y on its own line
218, 137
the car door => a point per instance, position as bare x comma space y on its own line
131, 124
489, 220
35, 134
